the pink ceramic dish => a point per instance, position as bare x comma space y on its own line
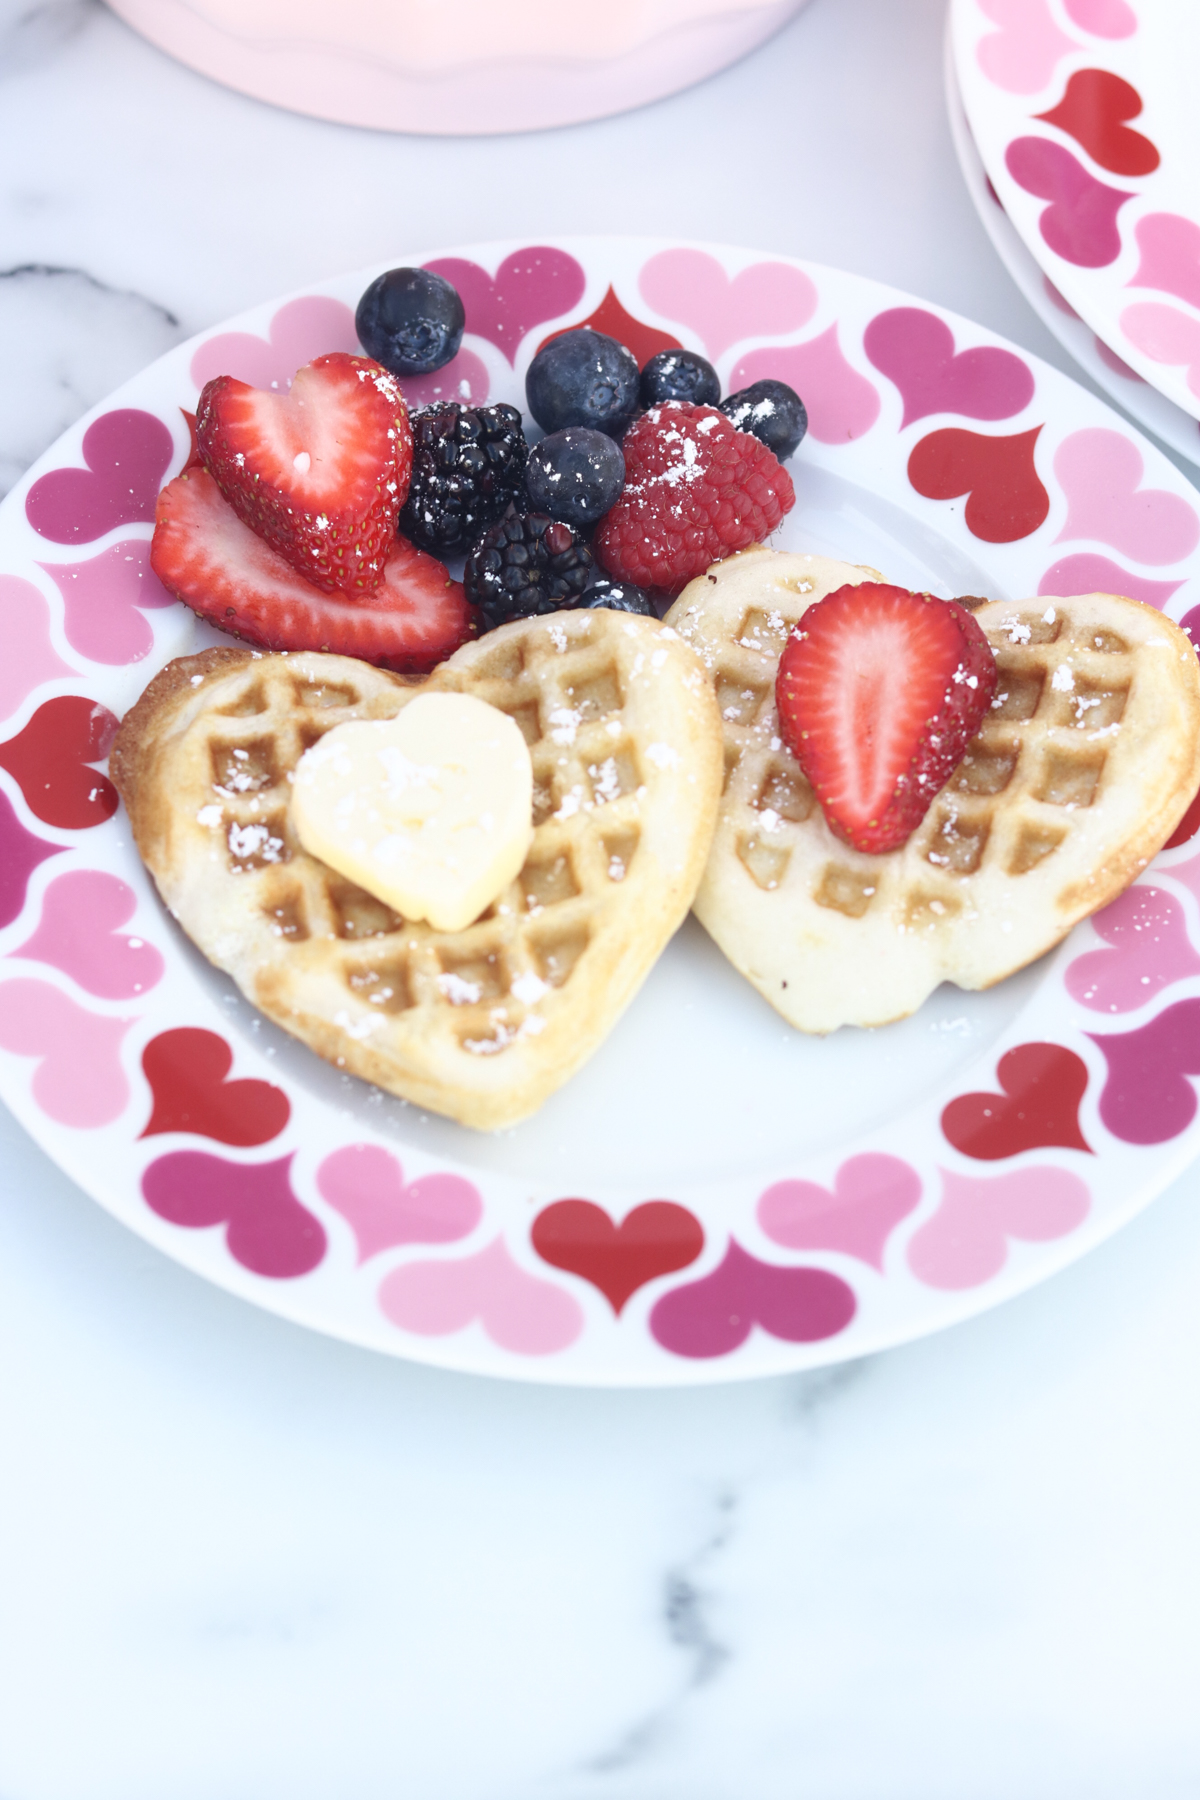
457, 67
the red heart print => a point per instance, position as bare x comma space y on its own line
312, 326
49, 760
20, 854
714, 1316
530, 286
1043, 1086
127, 453
1093, 111
186, 1069
915, 349
656, 1238
611, 318
267, 1229
1006, 498
1147, 1098
1080, 224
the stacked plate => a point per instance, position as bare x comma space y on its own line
1080, 144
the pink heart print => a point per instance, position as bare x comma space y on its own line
715, 1315
1170, 251
78, 933
267, 1229
871, 1194
1166, 336
1080, 223
79, 1079
1023, 55
29, 657
1100, 473
104, 598
915, 350
1087, 573
842, 404
965, 1243
517, 1311
531, 286
366, 1184
1187, 873
1150, 949
1103, 18
312, 326
767, 299
20, 855
127, 453
464, 379
1147, 1098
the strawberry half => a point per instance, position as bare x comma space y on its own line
879, 693
216, 565
319, 473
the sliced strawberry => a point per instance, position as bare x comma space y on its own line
216, 565
879, 693
319, 473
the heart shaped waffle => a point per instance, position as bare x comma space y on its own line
1083, 768
482, 1024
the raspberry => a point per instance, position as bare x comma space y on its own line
695, 490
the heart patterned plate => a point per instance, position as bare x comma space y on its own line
715, 1195
1123, 385
1084, 114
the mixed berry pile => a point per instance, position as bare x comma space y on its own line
323, 518
318, 520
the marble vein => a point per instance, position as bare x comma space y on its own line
79, 339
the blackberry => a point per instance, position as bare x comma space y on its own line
679, 375
772, 412
619, 596
576, 475
524, 565
583, 378
411, 321
468, 463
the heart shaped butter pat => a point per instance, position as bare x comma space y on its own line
432, 811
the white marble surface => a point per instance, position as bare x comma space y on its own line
238, 1562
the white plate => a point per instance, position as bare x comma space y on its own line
1105, 195
1144, 404
322, 1199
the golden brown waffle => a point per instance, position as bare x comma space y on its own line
481, 1024
1087, 762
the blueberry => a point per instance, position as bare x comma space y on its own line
411, 321
576, 475
583, 378
772, 412
679, 375
618, 596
